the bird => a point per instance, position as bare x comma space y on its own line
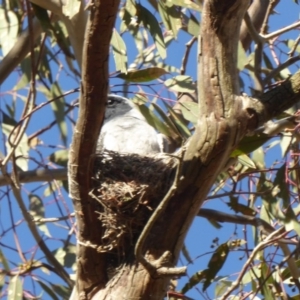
126, 131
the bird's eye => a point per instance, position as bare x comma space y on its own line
110, 102
113, 101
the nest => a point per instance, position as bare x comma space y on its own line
128, 189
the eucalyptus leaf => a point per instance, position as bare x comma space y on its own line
9, 30
15, 289
190, 111
144, 75
152, 25
58, 107
181, 83
60, 157
119, 52
21, 151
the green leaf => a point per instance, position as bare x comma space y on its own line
267, 61
194, 280
215, 264
181, 83
290, 221
245, 160
242, 57
2, 281
60, 157
37, 210
119, 52
4, 262
36, 206
61, 37
152, 25
215, 224
46, 288
66, 256
52, 187
266, 282
42, 16
286, 141
286, 272
21, 152
164, 126
186, 254
280, 181
170, 17
44, 67
193, 27
9, 30
144, 75
221, 287
250, 143
289, 217
240, 208
71, 8
61, 290
179, 122
26, 74
58, 107
170, 129
190, 111
65, 185
258, 157
15, 289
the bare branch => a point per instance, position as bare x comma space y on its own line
273, 102
37, 175
257, 12
271, 238
92, 106
34, 231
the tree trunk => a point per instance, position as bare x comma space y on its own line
143, 270
222, 123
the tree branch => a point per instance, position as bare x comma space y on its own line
92, 106
37, 175
257, 12
273, 102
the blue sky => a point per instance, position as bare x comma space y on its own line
202, 233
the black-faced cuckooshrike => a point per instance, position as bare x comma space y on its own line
125, 130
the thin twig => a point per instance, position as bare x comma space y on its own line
282, 66
188, 46
52, 220
281, 31
34, 231
270, 239
156, 215
271, 6
293, 49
